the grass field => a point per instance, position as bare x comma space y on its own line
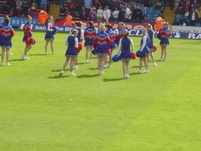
156, 111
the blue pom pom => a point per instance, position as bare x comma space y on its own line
116, 58
55, 30
140, 54
93, 51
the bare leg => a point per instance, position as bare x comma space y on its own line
2, 55
46, 44
52, 46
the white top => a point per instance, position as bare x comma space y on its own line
48, 27
128, 13
99, 13
106, 14
144, 39
115, 14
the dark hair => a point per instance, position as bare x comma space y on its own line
78, 23
7, 20
126, 34
109, 26
91, 24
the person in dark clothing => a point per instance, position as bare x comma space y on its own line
121, 16
137, 14
182, 21
25, 7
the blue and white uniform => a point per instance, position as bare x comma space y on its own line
144, 44
49, 31
112, 36
6, 34
126, 47
151, 39
72, 43
163, 35
89, 35
101, 43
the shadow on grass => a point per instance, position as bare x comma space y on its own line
57, 77
37, 54
58, 70
113, 79
87, 76
93, 68
134, 66
17, 60
81, 63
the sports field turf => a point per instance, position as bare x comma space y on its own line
156, 111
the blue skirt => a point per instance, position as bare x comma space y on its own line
88, 43
71, 52
164, 41
6, 43
49, 35
101, 51
112, 46
125, 55
146, 50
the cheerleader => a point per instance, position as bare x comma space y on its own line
163, 35
89, 34
101, 44
71, 52
144, 49
104, 22
27, 35
6, 17
6, 34
121, 32
112, 36
124, 49
151, 41
80, 36
49, 34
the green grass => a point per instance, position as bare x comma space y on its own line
158, 111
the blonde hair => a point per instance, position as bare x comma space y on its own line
166, 24
74, 31
102, 27
149, 26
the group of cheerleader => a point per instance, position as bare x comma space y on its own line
101, 43
105, 41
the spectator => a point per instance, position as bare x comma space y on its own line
106, 13
195, 4
43, 4
25, 7
186, 11
19, 4
182, 21
83, 14
143, 9
62, 9
121, 16
68, 20
137, 14
179, 11
42, 17
115, 15
100, 14
146, 21
5, 9
193, 17
62, 2
116, 4
158, 6
171, 3
93, 8
87, 6
128, 14
198, 11
102, 3
92, 16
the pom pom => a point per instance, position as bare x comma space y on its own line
116, 58
55, 29
79, 47
140, 54
155, 48
109, 51
30, 41
133, 55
